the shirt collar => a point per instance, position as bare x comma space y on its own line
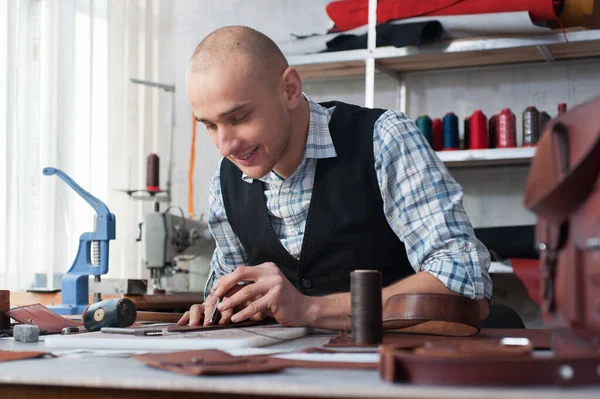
318, 143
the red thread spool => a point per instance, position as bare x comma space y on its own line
562, 108
507, 130
478, 135
438, 137
152, 173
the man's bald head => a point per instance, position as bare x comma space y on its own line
243, 46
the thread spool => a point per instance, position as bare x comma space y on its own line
450, 132
562, 108
365, 306
544, 118
478, 138
493, 132
438, 137
467, 137
531, 126
425, 126
152, 173
507, 129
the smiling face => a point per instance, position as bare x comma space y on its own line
246, 117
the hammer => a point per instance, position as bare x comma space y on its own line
115, 312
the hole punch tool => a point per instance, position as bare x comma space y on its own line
92, 255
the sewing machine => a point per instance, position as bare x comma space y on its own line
173, 246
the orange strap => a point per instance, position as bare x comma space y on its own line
191, 170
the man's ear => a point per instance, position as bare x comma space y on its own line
292, 84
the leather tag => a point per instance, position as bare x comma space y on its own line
48, 321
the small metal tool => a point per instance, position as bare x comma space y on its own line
131, 331
70, 330
216, 314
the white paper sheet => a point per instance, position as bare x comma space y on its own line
250, 337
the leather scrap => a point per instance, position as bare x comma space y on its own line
6, 356
216, 362
208, 362
37, 314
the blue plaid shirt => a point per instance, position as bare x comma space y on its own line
422, 204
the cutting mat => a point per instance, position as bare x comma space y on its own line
234, 338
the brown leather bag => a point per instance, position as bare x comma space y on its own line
563, 190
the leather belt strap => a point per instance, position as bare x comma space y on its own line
434, 314
467, 368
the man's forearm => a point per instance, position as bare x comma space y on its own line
333, 311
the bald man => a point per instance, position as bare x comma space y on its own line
306, 192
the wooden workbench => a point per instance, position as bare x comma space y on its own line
142, 302
117, 377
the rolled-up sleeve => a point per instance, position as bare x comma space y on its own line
229, 252
423, 205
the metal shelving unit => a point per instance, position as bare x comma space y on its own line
464, 53
487, 157
452, 54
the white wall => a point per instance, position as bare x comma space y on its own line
493, 196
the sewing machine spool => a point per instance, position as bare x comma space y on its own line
366, 308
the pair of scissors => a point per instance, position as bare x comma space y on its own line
216, 314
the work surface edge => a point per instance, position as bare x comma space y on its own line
101, 372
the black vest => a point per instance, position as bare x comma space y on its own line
345, 229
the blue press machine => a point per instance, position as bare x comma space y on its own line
92, 255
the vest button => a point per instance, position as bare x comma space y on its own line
307, 283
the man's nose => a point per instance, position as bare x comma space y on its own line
227, 141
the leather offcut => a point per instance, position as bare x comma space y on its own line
48, 321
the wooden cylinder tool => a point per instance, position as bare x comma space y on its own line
116, 312
366, 309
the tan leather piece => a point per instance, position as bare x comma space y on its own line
434, 314
12, 355
48, 321
540, 339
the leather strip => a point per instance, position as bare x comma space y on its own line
540, 339
434, 314
247, 323
401, 365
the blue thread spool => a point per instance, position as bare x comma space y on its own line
425, 125
450, 132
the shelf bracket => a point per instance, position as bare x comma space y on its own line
388, 71
545, 52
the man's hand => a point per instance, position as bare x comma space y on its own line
201, 313
271, 294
